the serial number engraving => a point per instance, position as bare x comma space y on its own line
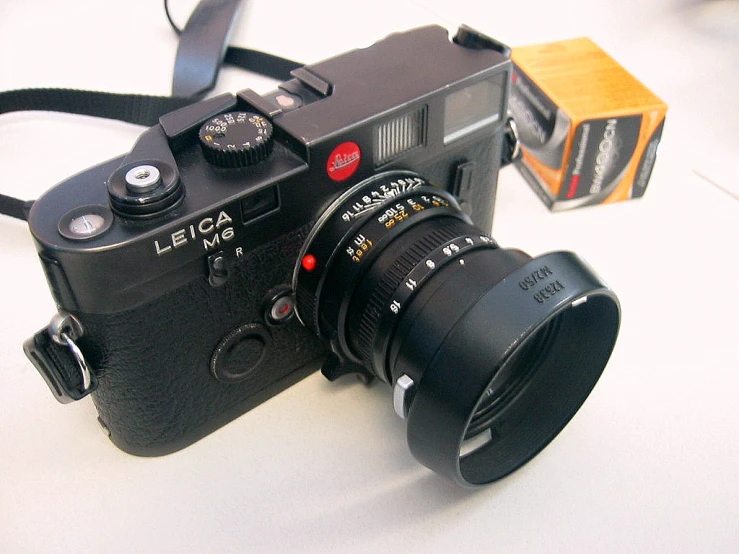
547, 292
531, 280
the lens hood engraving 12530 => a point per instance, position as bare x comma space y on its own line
245, 241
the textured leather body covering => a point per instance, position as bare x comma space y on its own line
156, 391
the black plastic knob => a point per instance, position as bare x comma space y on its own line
236, 139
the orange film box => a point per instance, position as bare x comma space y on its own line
589, 130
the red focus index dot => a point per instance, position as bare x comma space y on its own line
309, 262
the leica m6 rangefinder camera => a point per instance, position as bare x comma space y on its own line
341, 221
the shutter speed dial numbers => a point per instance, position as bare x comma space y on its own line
236, 139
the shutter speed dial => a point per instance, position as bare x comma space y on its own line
236, 139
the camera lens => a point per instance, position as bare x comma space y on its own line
490, 352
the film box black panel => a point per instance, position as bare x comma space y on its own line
589, 130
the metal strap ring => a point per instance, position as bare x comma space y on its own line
81, 362
513, 128
64, 329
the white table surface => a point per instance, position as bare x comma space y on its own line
650, 463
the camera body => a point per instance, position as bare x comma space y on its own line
176, 261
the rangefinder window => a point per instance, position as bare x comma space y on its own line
472, 108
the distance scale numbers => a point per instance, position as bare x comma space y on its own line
389, 218
373, 199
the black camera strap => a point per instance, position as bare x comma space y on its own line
202, 50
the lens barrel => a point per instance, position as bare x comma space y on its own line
489, 351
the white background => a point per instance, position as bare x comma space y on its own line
648, 465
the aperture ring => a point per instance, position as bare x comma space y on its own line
384, 282
378, 324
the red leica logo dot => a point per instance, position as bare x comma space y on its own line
343, 161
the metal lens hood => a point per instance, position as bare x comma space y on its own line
511, 371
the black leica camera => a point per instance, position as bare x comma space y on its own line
341, 221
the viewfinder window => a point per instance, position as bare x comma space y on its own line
472, 108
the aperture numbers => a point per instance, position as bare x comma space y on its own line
442, 255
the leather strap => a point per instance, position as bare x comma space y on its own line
202, 47
59, 367
14, 207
